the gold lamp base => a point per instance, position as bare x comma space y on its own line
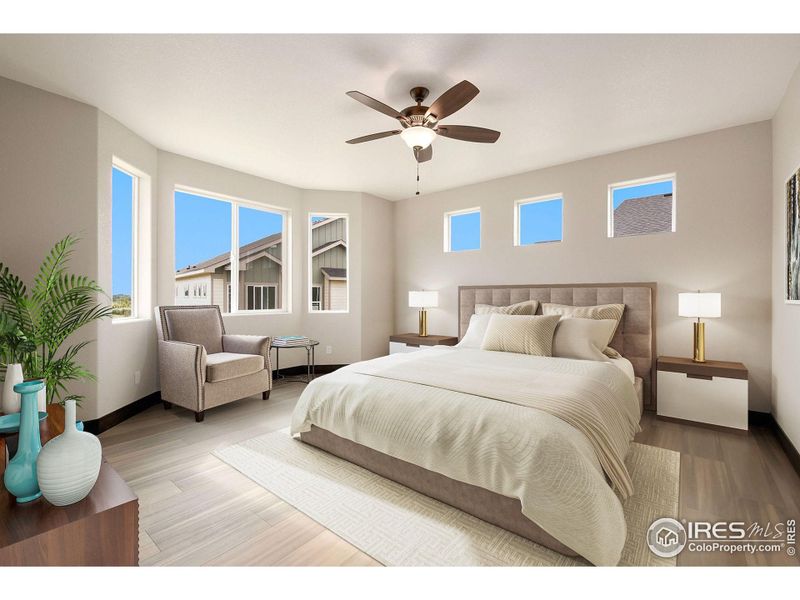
699, 342
423, 323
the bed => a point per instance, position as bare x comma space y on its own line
469, 427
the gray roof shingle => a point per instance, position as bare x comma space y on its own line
334, 272
639, 216
244, 252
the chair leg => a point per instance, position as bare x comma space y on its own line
265, 395
167, 405
199, 416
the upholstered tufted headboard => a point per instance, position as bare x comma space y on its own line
635, 339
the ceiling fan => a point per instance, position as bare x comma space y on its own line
421, 124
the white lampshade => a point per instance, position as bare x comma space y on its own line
418, 135
423, 299
700, 305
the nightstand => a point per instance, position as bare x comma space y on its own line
713, 392
411, 342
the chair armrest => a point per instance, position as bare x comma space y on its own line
182, 370
249, 344
246, 344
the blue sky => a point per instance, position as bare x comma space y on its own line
641, 191
203, 227
121, 232
255, 224
540, 222
465, 231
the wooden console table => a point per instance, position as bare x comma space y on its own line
100, 530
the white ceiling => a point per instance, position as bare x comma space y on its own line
275, 105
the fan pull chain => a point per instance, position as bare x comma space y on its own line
417, 179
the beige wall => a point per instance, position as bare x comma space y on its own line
377, 290
721, 242
785, 317
126, 347
48, 189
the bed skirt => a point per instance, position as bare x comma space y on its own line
489, 506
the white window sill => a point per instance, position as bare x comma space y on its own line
543, 243
125, 320
250, 313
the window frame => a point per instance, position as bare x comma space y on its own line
318, 301
447, 229
671, 177
235, 203
348, 243
261, 287
518, 204
136, 175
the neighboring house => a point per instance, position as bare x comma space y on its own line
329, 264
638, 216
260, 275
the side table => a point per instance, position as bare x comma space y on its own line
100, 530
310, 361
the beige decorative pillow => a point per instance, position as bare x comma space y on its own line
521, 334
584, 339
528, 307
600, 311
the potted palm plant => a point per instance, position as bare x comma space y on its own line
37, 326
13, 347
57, 306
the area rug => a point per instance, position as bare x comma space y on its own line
400, 527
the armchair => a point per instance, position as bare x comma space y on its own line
200, 366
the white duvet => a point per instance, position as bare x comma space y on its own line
496, 439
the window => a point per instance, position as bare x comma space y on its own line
229, 252
316, 297
260, 258
538, 220
261, 297
124, 196
329, 263
641, 207
462, 230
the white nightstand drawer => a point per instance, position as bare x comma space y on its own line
397, 347
718, 401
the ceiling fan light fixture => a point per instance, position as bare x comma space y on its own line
418, 136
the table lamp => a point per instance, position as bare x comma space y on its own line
423, 299
700, 305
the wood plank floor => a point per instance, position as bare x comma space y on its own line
197, 510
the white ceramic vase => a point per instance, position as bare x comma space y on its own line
11, 399
69, 464
41, 399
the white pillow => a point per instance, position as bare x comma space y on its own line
584, 339
601, 311
476, 329
520, 334
526, 307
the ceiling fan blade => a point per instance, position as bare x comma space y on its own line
452, 100
377, 105
468, 134
372, 136
423, 154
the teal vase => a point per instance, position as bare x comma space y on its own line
20, 476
